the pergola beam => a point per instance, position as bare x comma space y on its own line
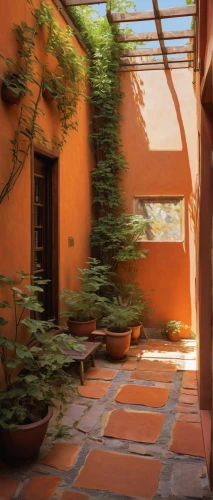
76, 3
159, 30
183, 49
152, 36
137, 60
149, 15
146, 67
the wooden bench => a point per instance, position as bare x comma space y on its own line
90, 349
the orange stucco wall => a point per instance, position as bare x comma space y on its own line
75, 163
159, 134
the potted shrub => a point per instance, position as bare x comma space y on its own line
33, 374
173, 329
118, 333
85, 306
13, 87
133, 296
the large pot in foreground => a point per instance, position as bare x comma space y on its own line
136, 330
81, 328
25, 441
117, 344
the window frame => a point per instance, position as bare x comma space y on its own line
158, 199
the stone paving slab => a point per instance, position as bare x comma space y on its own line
120, 473
186, 481
156, 365
62, 456
88, 422
100, 373
41, 487
155, 376
187, 439
93, 390
140, 395
142, 427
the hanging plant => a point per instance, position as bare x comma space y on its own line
24, 80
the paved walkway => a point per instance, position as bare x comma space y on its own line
133, 432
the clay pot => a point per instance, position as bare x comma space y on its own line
9, 96
117, 344
136, 330
25, 441
47, 95
81, 328
173, 336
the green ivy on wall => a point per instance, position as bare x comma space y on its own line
115, 234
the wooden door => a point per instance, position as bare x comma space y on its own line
45, 231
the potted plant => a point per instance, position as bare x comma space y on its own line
13, 87
173, 329
118, 333
85, 306
33, 373
131, 295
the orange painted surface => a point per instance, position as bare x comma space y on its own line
159, 134
75, 164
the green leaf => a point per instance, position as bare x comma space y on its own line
4, 304
3, 321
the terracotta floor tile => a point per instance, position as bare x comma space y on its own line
189, 380
62, 456
186, 408
73, 495
8, 487
186, 398
188, 417
191, 392
155, 376
139, 395
94, 390
75, 411
41, 487
156, 365
130, 365
142, 427
100, 373
135, 351
120, 473
187, 439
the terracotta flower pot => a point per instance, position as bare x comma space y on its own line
136, 330
81, 328
9, 96
25, 441
173, 336
117, 344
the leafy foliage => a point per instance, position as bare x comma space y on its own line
114, 232
175, 326
131, 295
42, 379
26, 77
87, 303
118, 316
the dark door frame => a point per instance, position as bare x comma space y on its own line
54, 156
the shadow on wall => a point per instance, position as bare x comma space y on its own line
159, 137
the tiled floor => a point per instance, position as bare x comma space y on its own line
133, 431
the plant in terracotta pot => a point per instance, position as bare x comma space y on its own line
131, 295
173, 329
34, 377
85, 306
14, 86
118, 333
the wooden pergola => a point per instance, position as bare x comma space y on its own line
148, 58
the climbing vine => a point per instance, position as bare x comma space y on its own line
115, 234
27, 77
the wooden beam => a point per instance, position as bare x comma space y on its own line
147, 67
76, 3
137, 60
159, 30
156, 51
152, 36
149, 15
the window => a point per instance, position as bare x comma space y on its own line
164, 217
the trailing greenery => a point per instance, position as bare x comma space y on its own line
42, 379
87, 303
27, 76
115, 233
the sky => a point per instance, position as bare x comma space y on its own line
179, 23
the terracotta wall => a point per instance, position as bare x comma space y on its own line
75, 164
159, 133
